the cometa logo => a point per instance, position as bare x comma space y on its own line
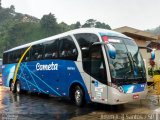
51, 66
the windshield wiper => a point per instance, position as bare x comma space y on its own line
135, 66
131, 64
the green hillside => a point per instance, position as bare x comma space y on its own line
17, 28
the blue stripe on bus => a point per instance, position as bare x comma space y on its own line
42, 81
54, 82
31, 83
32, 77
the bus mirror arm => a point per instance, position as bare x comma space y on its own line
151, 50
148, 48
111, 48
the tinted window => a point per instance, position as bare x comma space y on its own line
27, 55
98, 70
85, 40
67, 49
15, 56
5, 58
10, 57
37, 52
18, 54
51, 49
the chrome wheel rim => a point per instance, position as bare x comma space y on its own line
18, 87
78, 96
12, 86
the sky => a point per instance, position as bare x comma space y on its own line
139, 14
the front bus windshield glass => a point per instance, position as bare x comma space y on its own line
138, 64
128, 65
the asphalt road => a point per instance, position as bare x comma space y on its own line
34, 107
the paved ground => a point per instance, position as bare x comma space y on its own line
34, 107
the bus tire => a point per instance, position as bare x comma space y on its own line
79, 96
18, 87
12, 87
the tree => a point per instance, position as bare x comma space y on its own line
90, 23
49, 24
96, 24
14, 30
63, 27
102, 25
12, 8
75, 25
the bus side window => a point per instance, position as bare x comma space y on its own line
85, 40
37, 52
19, 54
98, 70
67, 49
5, 58
51, 50
27, 55
12, 57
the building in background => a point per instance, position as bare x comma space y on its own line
144, 39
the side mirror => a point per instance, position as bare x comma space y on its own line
150, 50
111, 51
152, 55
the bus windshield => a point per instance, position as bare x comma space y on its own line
128, 63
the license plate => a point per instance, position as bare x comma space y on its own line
136, 96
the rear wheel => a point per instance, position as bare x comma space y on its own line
79, 96
12, 87
18, 87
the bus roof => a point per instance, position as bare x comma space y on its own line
76, 31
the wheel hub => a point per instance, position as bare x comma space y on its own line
18, 87
78, 96
12, 86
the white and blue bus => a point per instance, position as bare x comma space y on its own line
85, 65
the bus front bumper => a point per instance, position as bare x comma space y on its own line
120, 98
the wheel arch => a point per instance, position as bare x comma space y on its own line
83, 87
11, 81
72, 87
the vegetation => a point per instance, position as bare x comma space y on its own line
17, 28
155, 31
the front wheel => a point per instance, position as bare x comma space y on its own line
79, 96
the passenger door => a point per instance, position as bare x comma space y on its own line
98, 74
